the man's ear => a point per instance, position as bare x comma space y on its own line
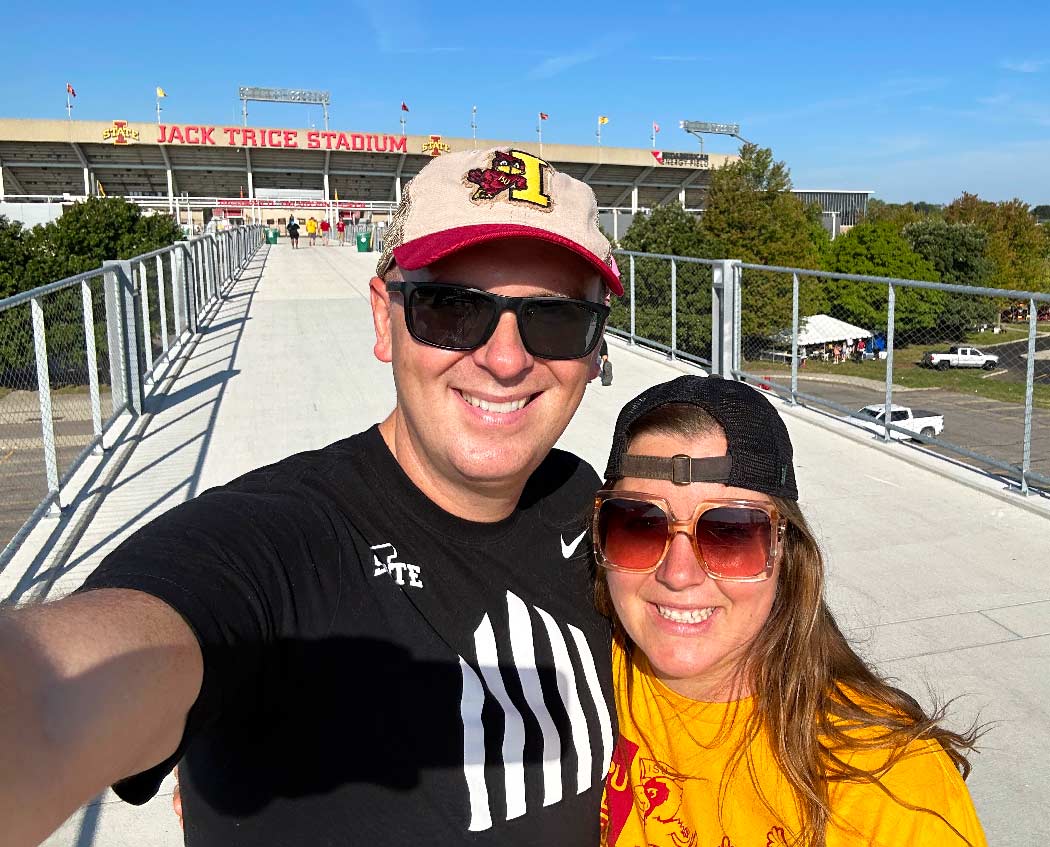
380, 297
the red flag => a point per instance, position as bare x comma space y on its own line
656, 126
544, 116
658, 155
404, 108
69, 88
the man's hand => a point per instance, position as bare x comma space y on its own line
93, 688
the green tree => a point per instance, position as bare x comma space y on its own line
958, 252
1042, 212
878, 249
1016, 245
87, 234
752, 215
669, 230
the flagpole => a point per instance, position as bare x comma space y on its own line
539, 131
158, 110
69, 106
652, 143
474, 125
598, 132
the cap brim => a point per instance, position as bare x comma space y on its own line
428, 249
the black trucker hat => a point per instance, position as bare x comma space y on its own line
759, 454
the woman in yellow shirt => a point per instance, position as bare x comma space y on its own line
746, 719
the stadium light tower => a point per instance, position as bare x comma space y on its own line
700, 128
283, 95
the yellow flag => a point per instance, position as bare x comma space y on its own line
101, 190
337, 195
602, 119
161, 92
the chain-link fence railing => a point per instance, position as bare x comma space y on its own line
963, 371
77, 353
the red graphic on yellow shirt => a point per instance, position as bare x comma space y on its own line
660, 799
618, 802
776, 838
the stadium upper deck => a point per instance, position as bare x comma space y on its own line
240, 166
72, 157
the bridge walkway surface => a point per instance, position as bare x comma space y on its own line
938, 575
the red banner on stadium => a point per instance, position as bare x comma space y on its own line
274, 203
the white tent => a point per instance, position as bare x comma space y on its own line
824, 329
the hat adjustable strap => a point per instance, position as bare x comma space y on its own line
680, 469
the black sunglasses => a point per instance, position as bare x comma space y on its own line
453, 317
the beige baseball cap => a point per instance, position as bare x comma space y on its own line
462, 199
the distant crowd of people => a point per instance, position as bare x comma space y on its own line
315, 228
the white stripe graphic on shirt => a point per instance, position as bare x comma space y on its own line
524, 651
566, 677
474, 747
571, 690
591, 673
514, 725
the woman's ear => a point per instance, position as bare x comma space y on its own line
380, 298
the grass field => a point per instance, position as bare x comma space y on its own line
909, 375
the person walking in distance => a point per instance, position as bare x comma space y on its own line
311, 230
432, 560
326, 228
293, 232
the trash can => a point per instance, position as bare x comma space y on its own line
364, 242
271, 235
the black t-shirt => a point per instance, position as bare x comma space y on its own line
376, 670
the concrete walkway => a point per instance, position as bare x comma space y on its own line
940, 577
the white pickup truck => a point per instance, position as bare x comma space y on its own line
916, 421
960, 357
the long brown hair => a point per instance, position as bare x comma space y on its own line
811, 691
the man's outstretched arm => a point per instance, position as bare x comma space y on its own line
93, 688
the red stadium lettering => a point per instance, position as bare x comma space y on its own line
206, 135
378, 148
231, 133
291, 138
249, 137
329, 137
176, 137
342, 143
396, 144
358, 141
313, 139
161, 128
193, 135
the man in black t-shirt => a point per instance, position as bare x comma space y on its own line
386, 641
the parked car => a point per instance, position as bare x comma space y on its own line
960, 357
917, 421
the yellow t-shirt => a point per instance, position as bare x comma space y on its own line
311, 226
668, 775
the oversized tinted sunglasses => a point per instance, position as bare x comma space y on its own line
457, 318
734, 540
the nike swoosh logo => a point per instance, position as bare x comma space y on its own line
568, 549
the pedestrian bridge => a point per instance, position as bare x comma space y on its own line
938, 573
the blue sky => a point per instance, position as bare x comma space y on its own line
915, 101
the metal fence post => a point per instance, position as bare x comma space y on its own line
1029, 392
179, 297
891, 305
674, 307
162, 306
147, 331
633, 301
92, 359
723, 311
114, 298
738, 318
128, 335
794, 339
43, 385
